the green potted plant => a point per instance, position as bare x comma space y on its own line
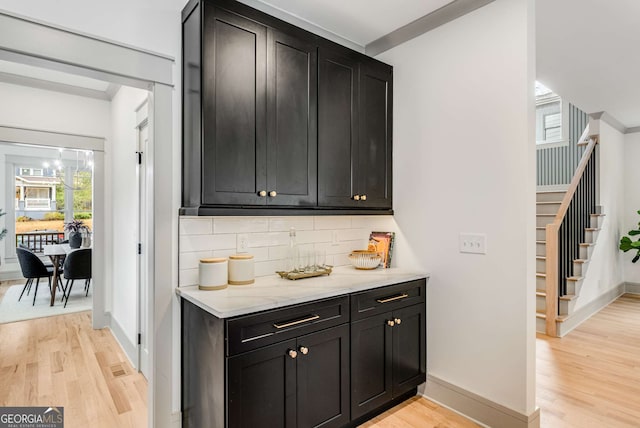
627, 243
75, 229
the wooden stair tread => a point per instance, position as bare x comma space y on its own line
541, 242
541, 275
541, 227
548, 202
541, 258
541, 293
574, 278
545, 215
541, 315
582, 143
562, 318
586, 244
581, 261
591, 229
551, 191
568, 297
538, 290
597, 215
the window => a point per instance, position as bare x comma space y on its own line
551, 126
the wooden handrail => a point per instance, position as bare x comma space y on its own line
552, 229
577, 176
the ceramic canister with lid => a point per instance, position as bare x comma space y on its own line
241, 269
213, 274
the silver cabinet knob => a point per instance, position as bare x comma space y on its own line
293, 354
363, 197
262, 193
304, 350
273, 194
356, 197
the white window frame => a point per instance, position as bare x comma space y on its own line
564, 118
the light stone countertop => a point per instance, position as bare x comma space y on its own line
270, 292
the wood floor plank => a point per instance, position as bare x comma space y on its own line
63, 361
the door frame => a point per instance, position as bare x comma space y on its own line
99, 58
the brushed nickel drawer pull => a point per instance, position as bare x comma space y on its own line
296, 322
391, 299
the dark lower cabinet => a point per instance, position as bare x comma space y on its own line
297, 383
388, 357
305, 365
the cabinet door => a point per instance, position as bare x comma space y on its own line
374, 146
292, 120
371, 354
323, 378
233, 109
337, 128
262, 388
409, 348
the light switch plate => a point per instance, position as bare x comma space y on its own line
242, 243
473, 243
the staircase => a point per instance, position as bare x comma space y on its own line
567, 225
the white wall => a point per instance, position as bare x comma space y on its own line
25, 107
464, 159
631, 202
122, 224
604, 271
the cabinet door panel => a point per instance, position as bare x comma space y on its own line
409, 349
371, 375
234, 109
262, 388
337, 129
292, 133
323, 378
374, 148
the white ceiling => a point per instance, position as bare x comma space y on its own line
587, 52
360, 21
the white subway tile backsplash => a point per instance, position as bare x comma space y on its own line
382, 223
189, 243
332, 222
268, 268
353, 235
188, 277
313, 236
284, 224
192, 260
268, 238
196, 226
240, 224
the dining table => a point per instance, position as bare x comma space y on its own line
57, 253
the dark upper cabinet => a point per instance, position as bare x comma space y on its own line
279, 118
292, 120
354, 137
234, 109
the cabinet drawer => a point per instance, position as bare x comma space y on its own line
254, 331
380, 300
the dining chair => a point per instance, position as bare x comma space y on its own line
77, 265
32, 268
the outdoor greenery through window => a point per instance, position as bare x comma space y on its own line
549, 116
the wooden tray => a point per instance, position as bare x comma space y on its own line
301, 275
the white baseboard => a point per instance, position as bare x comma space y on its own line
593, 307
632, 287
477, 408
129, 348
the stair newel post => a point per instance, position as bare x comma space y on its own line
552, 278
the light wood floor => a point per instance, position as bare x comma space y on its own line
590, 378
63, 361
